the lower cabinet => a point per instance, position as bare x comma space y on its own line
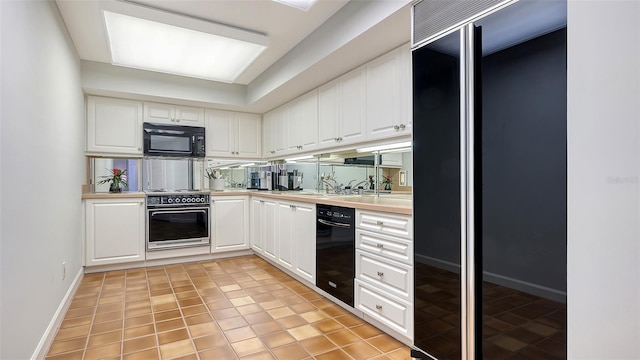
114, 231
229, 223
297, 238
394, 312
384, 269
285, 233
263, 227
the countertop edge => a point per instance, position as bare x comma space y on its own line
122, 195
378, 206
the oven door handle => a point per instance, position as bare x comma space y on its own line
152, 213
334, 224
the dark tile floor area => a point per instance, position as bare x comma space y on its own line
516, 325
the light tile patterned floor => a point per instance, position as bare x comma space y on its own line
238, 308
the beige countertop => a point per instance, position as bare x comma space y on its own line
393, 203
399, 204
122, 195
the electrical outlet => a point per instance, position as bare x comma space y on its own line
64, 270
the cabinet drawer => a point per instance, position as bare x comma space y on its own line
389, 224
387, 246
384, 274
395, 313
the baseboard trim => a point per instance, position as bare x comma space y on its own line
524, 286
51, 331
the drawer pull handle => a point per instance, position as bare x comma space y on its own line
379, 223
379, 246
378, 307
380, 273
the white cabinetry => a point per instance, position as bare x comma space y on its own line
391, 160
304, 229
285, 236
114, 126
342, 110
263, 227
275, 132
286, 232
389, 95
384, 269
302, 123
232, 134
173, 114
114, 231
257, 225
229, 223
297, 238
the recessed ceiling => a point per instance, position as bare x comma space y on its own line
305, 48
284, 25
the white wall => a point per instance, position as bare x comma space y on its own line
603, 179
42, 162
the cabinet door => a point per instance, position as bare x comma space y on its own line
247, 135
293, 125
219, 130
229, 215
114, 231
278, 131
307, 122
383, 97
353, 106
189, 116
328, 97
114, 126
257, 225
267, 134
159, 113
285, 235
302, 125
270, 229
304, 229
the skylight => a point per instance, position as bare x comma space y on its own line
150, 45
298, 4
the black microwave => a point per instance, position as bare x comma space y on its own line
173, 140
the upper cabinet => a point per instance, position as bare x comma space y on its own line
233, 134
302, 123
342, 110
173, 114
389, 95
292, 127
114, 126
275, 132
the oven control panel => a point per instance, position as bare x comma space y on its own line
178, 199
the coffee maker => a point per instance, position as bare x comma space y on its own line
294, 180
265, 180
283, 180
254, 182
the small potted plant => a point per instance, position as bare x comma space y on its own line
216, 180
386, 180
118, 180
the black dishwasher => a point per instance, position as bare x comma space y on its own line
335, 251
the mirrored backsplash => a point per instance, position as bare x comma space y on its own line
326, 173
101, 169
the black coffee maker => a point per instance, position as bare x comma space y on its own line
254, 182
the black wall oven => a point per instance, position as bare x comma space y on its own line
173, 140
335, 251
177, 220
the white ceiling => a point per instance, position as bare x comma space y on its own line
271, 79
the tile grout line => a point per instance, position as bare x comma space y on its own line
95, 313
